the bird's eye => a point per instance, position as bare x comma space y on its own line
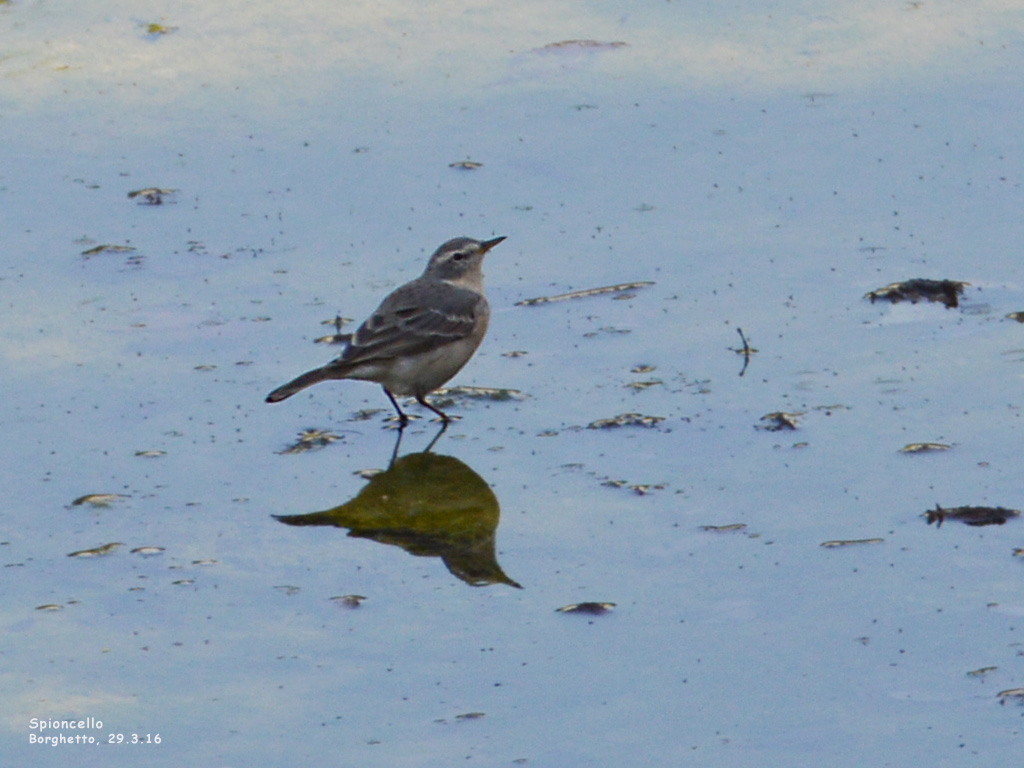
459, 255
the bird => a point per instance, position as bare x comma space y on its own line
422, 333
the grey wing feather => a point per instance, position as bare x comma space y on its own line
415, 318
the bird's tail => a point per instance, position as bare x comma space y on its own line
307, 379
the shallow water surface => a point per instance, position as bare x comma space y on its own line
763, 172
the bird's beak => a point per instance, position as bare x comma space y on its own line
486, 245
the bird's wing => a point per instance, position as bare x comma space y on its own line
417, 317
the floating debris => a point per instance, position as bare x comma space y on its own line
337, 337
50, 607
585, 293
183, 583
466, 165
973, 516
151, 454
158, 30
206, 561
746, 350
366, 414
151, 196
849, 542
495, 394
981, 671
106, 549
607, 329
640, 489
349, 601
1018, 552
946, 292
828, 409
515, 353
1011, 693
310, 440
394, 422
366, 474
1018, 316
730, 528
333, 338
582, 45
98, 499
470, 716
108, 248
626, 420
288, 589
642, 369
148, 551
206, 367
924, 447
642, 385
779, 420
594, 609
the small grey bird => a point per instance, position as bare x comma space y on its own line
421, 334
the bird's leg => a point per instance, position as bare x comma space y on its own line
423, 401
402, 418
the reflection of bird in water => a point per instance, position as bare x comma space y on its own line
430, 506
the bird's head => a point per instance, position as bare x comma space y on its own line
459, 260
